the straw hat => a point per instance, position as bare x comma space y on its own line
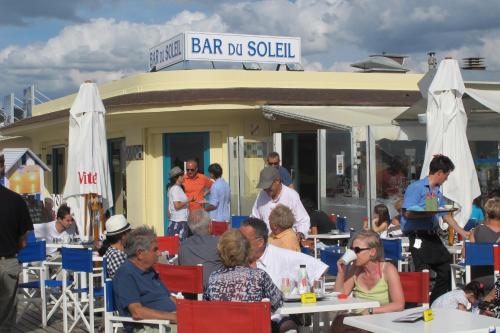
116, 224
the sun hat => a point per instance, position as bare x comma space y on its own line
116, 224
175, 171
267, 176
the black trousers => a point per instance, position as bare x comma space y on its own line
432, 255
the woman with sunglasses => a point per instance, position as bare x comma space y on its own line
369, 277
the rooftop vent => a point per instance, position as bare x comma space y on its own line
474, 63
382, 63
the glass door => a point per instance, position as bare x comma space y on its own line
118, 174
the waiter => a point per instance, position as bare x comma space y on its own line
427, 249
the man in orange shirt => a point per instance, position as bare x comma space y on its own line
196, 185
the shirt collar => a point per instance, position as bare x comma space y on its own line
426, 183
262, 259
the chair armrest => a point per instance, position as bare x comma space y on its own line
144, 321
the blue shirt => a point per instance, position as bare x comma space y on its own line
477, 214
415, 196
133, 285
285, 177
220, 197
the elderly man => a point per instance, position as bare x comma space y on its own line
15, 222
201, 247
196, 185
281, 222
273, 159
274, 193
138, 291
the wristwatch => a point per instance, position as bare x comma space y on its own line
370, 311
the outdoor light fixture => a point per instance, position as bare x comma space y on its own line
294, 67
251, 66
422, 118
268, 115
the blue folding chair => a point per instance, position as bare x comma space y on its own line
330, 258
32, 257
476, 254
113, 321
79, 262
393, 250
236, 220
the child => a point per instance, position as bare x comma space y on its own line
381, 219
461, 299
394, 229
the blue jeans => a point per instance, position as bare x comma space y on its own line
178, 228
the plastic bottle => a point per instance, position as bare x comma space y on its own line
492, 329
303, 281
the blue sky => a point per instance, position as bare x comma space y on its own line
57, 44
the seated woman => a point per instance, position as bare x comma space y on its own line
113, 247
369, 278
236, 281
381, 219
394, 229
281, 221
489, 232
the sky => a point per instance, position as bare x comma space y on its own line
58, 44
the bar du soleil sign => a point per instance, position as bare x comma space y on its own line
225, 47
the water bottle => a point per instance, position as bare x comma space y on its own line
303, 281
345, 224
492, 329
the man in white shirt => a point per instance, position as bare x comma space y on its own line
274, 193
59, 230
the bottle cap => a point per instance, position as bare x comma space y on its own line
302, 266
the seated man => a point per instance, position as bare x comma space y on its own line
138, 291
201, 248
59, 230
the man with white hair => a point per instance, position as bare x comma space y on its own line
15, 222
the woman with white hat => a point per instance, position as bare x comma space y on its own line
178, 205
113, 247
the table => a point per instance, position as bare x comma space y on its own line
342, 235
329, 304
445, 320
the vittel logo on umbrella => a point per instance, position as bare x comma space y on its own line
87, 177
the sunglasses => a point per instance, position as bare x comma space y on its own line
273, 163
190, 170
358, 249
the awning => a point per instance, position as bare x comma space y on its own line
338, 116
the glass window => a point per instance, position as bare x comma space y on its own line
58, 169
118, 174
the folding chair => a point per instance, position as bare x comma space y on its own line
223, 317
476, 254
169, 247
236, 220
496, 262
330, 258
113, 321
32, 258
79, 262
218, 228
184, 279
393, 250
416, 287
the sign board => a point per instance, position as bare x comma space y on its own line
203, 46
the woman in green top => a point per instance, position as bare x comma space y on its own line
369, 277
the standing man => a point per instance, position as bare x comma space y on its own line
220, 196
427, 249
274, 193
273, 159
196, 185
15, 222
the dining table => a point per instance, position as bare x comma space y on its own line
445, 320
330, 303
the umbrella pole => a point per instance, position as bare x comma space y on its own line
85, 196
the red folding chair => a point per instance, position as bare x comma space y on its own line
184, 279
223, 317
169, 246
496, 262
416, 287
218, 228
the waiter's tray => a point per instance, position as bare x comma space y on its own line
427, 212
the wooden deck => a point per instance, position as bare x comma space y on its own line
31, 321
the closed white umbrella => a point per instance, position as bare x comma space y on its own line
88, 169
446, 134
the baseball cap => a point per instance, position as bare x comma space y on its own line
175, 171
267, 176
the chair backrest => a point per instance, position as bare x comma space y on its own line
185, 279
77, 260
393, 249
218, 228
330, 258
169, 244
108, 296
34, 251
496, 259
30, 237
478, 254
415, 286
236, 220
223, 317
